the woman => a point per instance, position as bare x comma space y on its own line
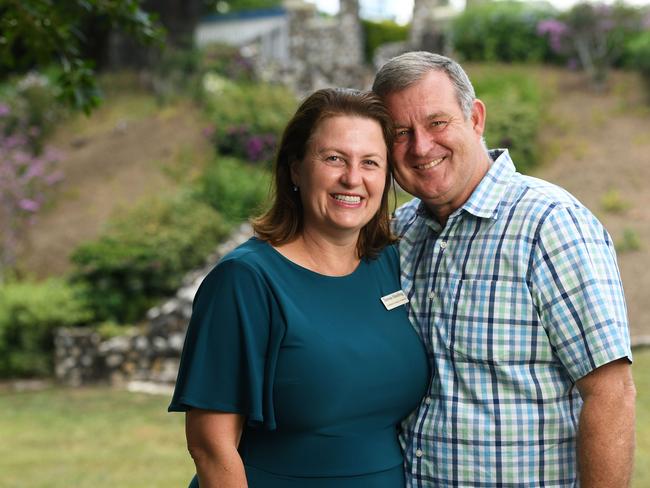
294, 372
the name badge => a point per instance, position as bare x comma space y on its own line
394, 300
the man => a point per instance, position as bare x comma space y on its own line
514, 287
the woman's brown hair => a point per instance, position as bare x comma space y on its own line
283, 222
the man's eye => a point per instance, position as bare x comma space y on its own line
370, 162
439, 124
333, 158
402, 134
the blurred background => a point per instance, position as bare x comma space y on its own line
136, 140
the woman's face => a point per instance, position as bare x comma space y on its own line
342, 176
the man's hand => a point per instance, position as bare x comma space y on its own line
606, 428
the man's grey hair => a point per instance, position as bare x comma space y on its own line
407, 69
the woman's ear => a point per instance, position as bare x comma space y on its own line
294, 167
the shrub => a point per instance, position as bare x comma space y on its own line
27, 169
175, 73
227, 61
638, 50
240, 142
613, 202
629, 242
259, 110
144, 254
235, 189
381, 32
500, 31
514, 110
592, 36
29, 313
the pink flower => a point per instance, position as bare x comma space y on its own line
29, 205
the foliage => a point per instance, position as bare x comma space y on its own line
144, 254
36, 33
630, 241
592, 36
240, 142
235, 189
27, 169
613, 202
514, 111
638, 50
381, 32
249, 117
227, 61
231, 6
29, 312
176, 72
500, 31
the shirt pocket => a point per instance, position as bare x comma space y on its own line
495, 321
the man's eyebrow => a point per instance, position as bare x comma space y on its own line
436, 115
430, 117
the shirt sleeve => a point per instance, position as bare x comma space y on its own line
230, 349
577, 289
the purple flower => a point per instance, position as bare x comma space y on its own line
54, 178
556, 32
208, 132
4, 110
29, 205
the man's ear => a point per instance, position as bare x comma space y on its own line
478, 116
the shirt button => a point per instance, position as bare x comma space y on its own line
427, 400
443, 244
418, 453
432, 295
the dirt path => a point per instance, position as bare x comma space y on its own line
111, 161
599, 143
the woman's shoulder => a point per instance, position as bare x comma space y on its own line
254, 253
389, 254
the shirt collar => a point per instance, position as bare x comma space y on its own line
484, 201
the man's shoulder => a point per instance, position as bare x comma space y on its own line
536, 196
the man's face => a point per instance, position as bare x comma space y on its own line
438, 153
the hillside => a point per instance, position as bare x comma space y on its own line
596, 145
127, 150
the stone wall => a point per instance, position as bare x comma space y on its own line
323, 52
148, 355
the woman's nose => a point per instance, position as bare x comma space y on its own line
352, 175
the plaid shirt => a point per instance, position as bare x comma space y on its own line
516, 298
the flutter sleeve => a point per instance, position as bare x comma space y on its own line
230, 350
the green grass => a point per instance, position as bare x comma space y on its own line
101, 438
641, 369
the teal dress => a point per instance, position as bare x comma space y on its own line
321, 369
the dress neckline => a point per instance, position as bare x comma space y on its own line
297, 266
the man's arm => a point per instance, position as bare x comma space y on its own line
606, 426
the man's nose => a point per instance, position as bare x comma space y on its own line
421, 143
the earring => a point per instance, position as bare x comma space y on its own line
295, 188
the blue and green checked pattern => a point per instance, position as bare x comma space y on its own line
516, 298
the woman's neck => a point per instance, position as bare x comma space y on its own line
318, 253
